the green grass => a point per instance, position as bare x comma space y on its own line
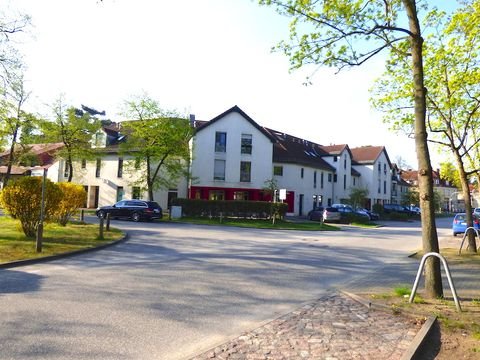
56, 239
261, 224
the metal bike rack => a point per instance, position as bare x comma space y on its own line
464, 237
447, 271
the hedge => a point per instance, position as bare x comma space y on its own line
231, 208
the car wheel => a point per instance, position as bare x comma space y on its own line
136, 217
454, 234
101, 214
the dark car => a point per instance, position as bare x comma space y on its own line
396, 208
132, 209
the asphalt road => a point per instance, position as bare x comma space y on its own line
174, 290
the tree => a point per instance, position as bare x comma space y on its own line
73, 198
449, 172
11, 24
358, 197
452, 77
157, 139
345, 33
411, 197
13, 119
75, 129
23, 198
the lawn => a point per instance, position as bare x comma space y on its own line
56, 239
261, 223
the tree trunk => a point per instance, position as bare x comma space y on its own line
472, 245
149, 180
11, 157
70, 168
433, 279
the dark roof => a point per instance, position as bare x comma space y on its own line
290, 149
229, 111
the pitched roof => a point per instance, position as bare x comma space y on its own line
368, 154
290, 149
15, 170
45, 153
335, 149
242, 113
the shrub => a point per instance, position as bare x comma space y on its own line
73, 197
232, 208
22, 200
378, 208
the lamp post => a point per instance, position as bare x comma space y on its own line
38, 244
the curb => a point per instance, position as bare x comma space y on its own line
417, 341
18, 263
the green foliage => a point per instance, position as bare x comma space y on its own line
22, 200
75, 130
449, 172
411, 197
358, 197
242, 209
73, 197
378, 208
158, 140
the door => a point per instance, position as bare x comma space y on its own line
300, 205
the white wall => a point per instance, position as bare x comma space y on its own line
108, 182
292, 181
204, 154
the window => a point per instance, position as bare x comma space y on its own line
301, 173
379, 189
120, 168
66, 171
314, 179
344, 182
379, 168
278, 170
98, 167
329, 177
220, 141
216, 195
335, 159
354, 181
240, 195
84, 163
246, 144
219, 170
136, 192
344, 161
245, 171
120, 193
334, 177
321, 180
384, 187
385, 168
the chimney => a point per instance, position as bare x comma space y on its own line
192, 120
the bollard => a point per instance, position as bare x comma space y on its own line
100, 232
107, 226
82, 215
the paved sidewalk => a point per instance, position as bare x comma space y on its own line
334, 327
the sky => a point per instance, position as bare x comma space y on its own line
199, 57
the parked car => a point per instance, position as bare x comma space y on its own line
414, 209
132, 209
477, 211
392, 208
327, 214
459, 224
347, 210
371, 214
